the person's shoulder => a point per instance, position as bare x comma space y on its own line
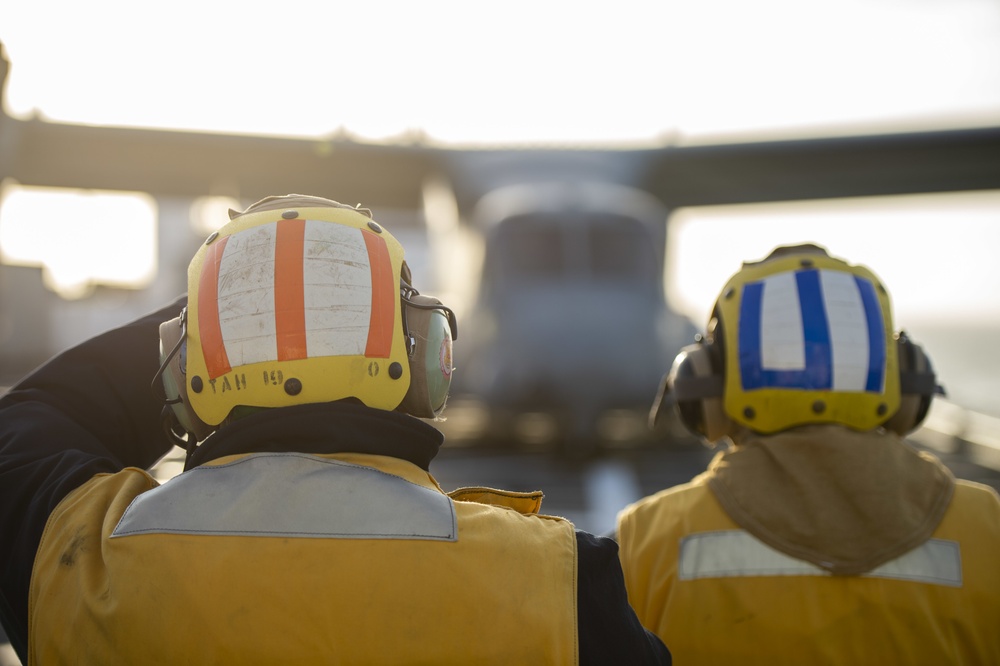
104, 489
681, 496
980, 494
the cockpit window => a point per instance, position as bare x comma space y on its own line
533, 248
620, 248
584, 246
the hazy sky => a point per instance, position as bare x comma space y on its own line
516, 70
934, 253
526, 70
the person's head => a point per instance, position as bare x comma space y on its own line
301, 300
794, 339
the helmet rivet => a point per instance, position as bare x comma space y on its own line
395, 370
749, 413
374, 226
293, 386
196, 384
211, 237
729, 293
290, 214
882, 409
806, 262
819, 407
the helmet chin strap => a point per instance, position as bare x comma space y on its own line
159, 391
176, 433
172, 426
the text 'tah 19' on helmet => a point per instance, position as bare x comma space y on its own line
800, 338
303, 300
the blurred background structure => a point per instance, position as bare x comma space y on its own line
618, 161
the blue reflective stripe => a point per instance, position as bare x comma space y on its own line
876, 336
758, 339
818, 373
751, 370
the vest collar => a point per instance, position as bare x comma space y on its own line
335, 427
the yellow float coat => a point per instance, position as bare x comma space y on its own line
301, 559
717, 595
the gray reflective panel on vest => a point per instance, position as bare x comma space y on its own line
291, 495
735, 553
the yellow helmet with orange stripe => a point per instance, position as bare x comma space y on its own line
301, 300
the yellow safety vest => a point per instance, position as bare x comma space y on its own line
301, 559
717, 595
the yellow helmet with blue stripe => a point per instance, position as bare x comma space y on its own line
807, 338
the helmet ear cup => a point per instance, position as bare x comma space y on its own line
429, 330
696, 383
917, 386
173, 351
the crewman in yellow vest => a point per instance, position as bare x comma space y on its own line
818, 535
306, 527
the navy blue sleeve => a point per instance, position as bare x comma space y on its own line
86, 411
609, 631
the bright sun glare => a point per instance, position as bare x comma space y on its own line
934, 252
79, 238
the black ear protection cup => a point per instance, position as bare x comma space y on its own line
170, 385
917, 387
429, 327
695, 386
696, 383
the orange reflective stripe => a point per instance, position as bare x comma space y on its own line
209, 328
289, 290
383, 299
